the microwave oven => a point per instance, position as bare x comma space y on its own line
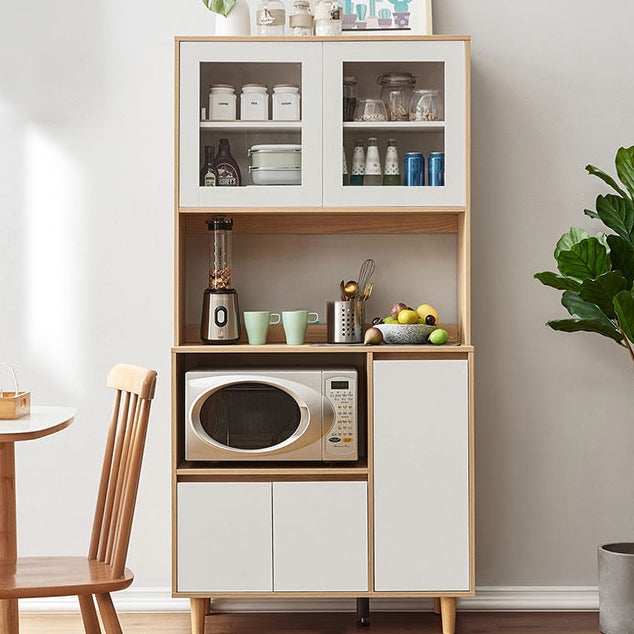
270, 415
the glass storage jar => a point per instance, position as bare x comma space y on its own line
350, 96
426, 105
222, 102
254, 102
270, 18
286, 102
328, 18
396, 92
370, 110
300, 21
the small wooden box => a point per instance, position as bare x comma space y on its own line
14, 405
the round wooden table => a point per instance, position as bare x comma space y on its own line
42, 421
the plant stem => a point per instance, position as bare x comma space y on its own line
628, 345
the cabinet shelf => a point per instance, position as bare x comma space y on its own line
355, 470
255, 126
334, 348
411, 126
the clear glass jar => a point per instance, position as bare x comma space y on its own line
270, 18
254, 102
350, 97
426, 105
328, 18
396, 92
300, 21
370, 110
222, 102
286, 102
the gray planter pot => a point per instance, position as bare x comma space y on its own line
616, 588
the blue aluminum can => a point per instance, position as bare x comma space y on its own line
436, 169
414, 169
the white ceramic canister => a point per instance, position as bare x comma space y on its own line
285, 102
254, 102
222, 102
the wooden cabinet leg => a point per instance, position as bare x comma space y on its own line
89, 614
436, 605
9, 616
448, 614
108, 614
199, 609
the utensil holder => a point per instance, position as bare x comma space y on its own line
345, 321
14, 404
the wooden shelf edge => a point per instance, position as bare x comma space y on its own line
272, 472
308, 348
321, 210
323, 595
338, 38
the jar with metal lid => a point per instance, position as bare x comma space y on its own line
270, 18
222, 102
254, 102
396, 92
301, 19
350, 97
286, 102
426, 105
328, 18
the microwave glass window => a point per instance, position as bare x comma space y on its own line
339, 385
250, 416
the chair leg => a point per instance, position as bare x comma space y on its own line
89, 614
448, 614
199, 608
108, 614
9, 616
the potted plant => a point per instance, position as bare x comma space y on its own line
232, 17
596, 275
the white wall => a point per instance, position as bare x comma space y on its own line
86, 168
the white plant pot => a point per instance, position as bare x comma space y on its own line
236, 24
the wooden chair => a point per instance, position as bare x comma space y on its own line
103, 571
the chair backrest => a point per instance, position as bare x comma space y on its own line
122, 464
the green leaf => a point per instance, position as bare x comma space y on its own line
592, 214
578, 307
548, 278
586, 259
602, 291
606, 178
222, 7
618, 214
586, 325
569, 239
625, 167
622, 256
624, 304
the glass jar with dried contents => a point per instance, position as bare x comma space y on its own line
396, 92
270, 18
426, 105
300, 20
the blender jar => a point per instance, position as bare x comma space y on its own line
220, 252
396, 93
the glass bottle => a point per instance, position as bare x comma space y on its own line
350, 97
373, 175
346, 177
392, 173
270, 18
227, 170
300, 20
208, 176
358, 163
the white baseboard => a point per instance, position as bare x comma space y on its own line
487, 599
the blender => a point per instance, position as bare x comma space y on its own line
221, 316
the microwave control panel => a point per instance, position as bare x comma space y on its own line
341, 442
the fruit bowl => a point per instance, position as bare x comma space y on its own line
406, 334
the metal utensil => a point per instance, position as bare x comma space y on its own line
365, 277
367, 292
351, 290
342, 286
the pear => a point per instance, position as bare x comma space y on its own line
373, 337
397, 308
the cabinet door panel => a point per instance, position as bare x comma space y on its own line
320, 536
224, 537
421, 475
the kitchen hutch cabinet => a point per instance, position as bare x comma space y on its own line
397, 522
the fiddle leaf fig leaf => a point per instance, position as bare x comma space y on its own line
603, 290
569, 239
618, 214
624, 305
591, 214
222, 7
548, 278
577, 307
622, 256
586, 325
585, 260
606, 178
625, 167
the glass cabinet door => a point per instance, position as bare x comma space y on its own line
256, 106
408, 95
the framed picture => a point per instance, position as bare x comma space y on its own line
396, 17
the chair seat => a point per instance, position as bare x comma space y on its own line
28, 577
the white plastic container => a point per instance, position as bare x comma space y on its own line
254, 103
222, 102
286, 102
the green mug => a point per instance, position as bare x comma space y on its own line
295, 324
257, 324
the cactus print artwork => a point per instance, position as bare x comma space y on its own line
381, 15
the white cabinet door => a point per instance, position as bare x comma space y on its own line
239, 63
421, 475
320, 535
224, 537
436, 65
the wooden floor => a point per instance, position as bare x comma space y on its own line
382, 623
